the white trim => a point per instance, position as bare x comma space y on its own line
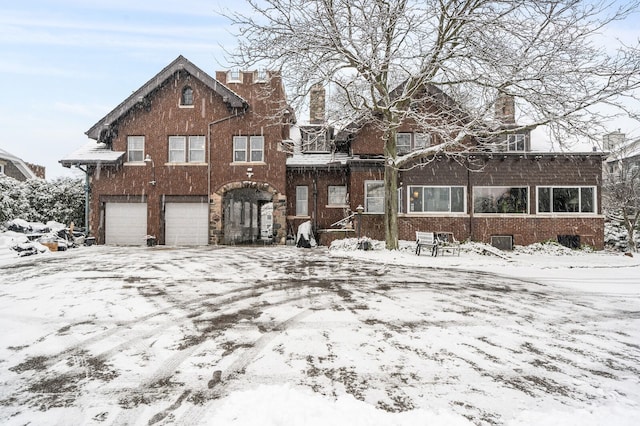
465, 207
473, 201
566, 214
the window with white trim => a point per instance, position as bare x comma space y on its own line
177, 152
135, 148
248, 149
374, 196
187, 96
436, 199
501, 199
196, 149
1, 168
516, 142
407, 142
576, 199
234, 76
302, 201
337, 195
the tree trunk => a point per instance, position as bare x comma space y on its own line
390, 193
630, 224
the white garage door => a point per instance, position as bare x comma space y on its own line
125, 224
186, 224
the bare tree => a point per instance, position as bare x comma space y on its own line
622, 194
443, 63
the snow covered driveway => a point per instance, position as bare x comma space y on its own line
106, 335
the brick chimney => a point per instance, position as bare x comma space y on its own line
316, 104
505, 109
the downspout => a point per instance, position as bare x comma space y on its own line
86, 197
469, 200
315, 204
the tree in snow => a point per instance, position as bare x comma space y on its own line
442, 64
621, 190
35, 200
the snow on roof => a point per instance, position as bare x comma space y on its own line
323, 159
92, 153
20, 165
180, 63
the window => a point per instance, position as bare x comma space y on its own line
196, 149
407, 142
500, 199
566, 199
135, 148
403, 143
1, 168
374, 196
234, 76
187, 96
302, 201
337, 195
176, 149
315, 140
257, 148
436, 199
242, 153
515, 142
261, 76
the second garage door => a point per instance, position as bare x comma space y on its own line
186, 224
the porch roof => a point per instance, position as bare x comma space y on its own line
93, 153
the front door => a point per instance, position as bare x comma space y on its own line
243, 218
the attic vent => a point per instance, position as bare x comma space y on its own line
502, 242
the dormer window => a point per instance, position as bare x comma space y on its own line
315, 140
187, 97
516, 142
234, 76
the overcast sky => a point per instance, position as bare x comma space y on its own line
64, 64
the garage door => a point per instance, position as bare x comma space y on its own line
125, 224
186, 224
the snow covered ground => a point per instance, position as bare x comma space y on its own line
286, 336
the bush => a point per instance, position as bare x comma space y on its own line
35, 200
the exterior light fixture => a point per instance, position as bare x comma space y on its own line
147, 159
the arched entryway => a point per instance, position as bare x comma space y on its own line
243, 215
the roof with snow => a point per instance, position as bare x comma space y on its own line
336, 159
93, 153
180, 63
20, 165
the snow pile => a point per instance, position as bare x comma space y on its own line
285, 405
550, 248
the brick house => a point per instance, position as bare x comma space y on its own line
190, 159
505, 195
14, 167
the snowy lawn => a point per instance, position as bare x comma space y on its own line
286, 336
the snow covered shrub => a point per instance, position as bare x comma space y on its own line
35, 200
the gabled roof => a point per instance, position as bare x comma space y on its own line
93, 153
180, 63
20, 165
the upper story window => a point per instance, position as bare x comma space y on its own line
248, 149
374, 196
234, 76
135, 148
500, 199
261, 76
179, 152
516, 142
187, 97
407, 142
315, 141
580, 199
436, 199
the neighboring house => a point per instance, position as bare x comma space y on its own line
191, 159
14, 167
505, 196
622, 153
